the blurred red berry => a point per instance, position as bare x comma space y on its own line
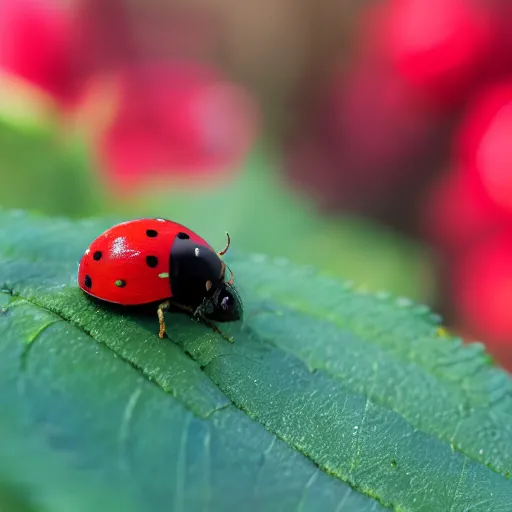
480, 113
457, 211
377, 117
372, 140
181, 118
439, 46
103, 38
115, 34
367, 146
35, 45
482, 290
499, 59
59, 47
484, 143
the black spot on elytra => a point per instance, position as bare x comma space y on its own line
151, 261
88, 281
151, 233
183, 236
97, 256
121, 283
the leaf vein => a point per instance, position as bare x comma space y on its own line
357, 436
339, 508
207, 467
30, 343
124, 428
181, 461
309, 483
459, 482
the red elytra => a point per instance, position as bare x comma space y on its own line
147, 261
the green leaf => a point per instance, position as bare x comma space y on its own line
328, 399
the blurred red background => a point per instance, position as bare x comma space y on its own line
397, 111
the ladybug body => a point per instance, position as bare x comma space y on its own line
156, 260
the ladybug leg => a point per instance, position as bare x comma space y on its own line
199, 316
213, 327
161, 308
204, 307
187, 309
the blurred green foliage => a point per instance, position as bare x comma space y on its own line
264, 215
43, 170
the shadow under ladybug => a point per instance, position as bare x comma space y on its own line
224, 306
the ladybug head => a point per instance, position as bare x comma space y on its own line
223, 305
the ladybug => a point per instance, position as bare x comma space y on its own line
147, 261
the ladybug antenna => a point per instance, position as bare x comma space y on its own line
225, 250
232, 277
